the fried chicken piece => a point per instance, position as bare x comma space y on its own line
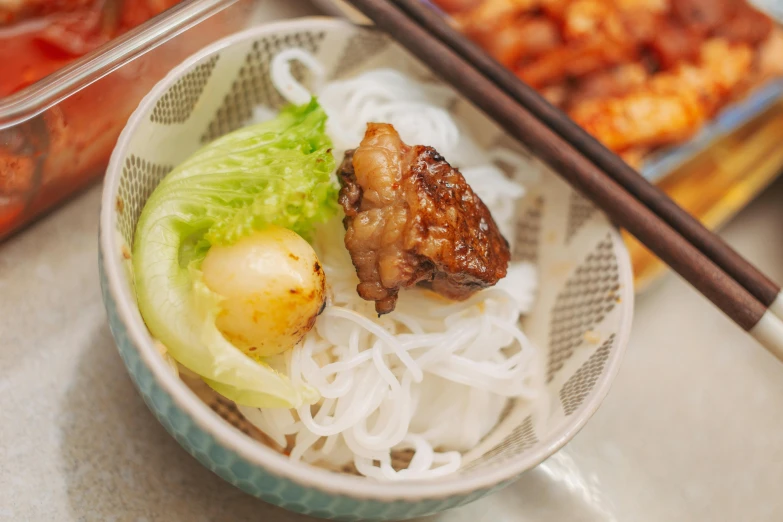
411, 218
769, 63
519, 40
673, 44
558, 94
500, 27
574, 61
555, 9
489, 12
591, 18
652, 6
458, 6
640, 118
700, 15
635, 157
609, 83
598, 36
722, 70
672, 106
746, 24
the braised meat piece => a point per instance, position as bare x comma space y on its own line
411, 218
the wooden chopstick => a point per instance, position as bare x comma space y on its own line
739, 268
616, 201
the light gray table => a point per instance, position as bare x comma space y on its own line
691, 431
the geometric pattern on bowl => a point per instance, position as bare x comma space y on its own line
580, 210
579, 384
586, 298
178, 103
253, 86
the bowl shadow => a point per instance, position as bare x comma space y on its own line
119, 463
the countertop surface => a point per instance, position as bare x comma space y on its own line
692, 429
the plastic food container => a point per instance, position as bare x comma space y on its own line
57, 134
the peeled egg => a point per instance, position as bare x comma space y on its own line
273, 288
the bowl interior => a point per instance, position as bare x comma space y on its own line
581, 318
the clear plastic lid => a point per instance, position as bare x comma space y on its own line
49, 91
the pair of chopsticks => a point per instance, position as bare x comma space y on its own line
727, 279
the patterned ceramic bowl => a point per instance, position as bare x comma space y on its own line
582, 315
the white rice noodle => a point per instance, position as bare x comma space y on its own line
434, 376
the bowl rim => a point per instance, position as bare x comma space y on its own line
257, 453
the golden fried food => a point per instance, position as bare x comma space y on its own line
671, 106
637, 74
574, 62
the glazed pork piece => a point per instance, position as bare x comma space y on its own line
411, 218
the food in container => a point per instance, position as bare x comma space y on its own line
640, 75
386, 304
73, 71
584, 293
37, 38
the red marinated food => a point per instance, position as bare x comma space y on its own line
638, 75
38, 37
48, 157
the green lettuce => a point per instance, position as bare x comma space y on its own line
274, 173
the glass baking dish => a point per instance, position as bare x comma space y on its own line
57, 134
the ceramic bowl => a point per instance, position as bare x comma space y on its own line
581, 318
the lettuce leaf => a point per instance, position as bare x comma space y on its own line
273, 173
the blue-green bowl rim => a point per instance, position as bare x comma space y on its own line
255, 452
